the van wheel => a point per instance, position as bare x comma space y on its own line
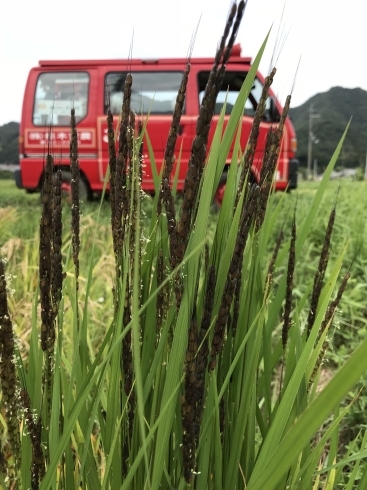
219, 195
66, 187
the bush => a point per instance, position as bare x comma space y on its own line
6, 174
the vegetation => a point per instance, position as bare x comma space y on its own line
9, 151
183, 348
6, 174
335, 107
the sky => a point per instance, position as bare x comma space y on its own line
326, 36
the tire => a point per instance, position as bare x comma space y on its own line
84, 192
219, 194
252, 179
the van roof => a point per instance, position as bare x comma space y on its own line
235, 58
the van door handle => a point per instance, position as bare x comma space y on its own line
180, 129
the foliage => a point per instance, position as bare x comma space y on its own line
9, 143
22, 260
6, 174
359, 174
335, 107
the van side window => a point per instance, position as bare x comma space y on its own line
151, 92
233, 82
56, 94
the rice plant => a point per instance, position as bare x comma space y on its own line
206, 372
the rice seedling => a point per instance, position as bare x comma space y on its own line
178, 391
75, 214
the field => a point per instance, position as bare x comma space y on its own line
20, 215
19, 244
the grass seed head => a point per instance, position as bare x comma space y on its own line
203, 347
170, 207
221, 322
45, 249
236, 24
236, 304
56, 256
34, 428
127, 362
75, 198
199, 145
249, 154
172, 137
289, 286
330, 312
320, 273
274, 256
319, 361
8, 374
121, 196
112, 165
248, 215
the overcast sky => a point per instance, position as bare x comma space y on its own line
329, 36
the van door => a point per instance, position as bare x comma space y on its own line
153, 95
55, 90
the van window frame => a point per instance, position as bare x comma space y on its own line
266, 117
56, 72
135, 72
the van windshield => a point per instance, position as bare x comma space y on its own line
233, 82
151, 92
56, 94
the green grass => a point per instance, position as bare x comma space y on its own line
19, 243
22, 223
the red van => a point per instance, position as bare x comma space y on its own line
90, 85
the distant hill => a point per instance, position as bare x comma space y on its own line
9, 143
335, 108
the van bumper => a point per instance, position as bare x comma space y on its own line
293, 174
18, 178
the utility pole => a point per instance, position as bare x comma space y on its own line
311, 139
365, 169
315, 172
